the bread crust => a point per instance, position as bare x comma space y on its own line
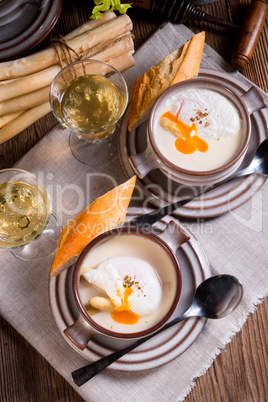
179, 65
190, 64
105, 213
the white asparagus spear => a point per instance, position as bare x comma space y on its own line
25, 101
82, 43
123, 62
102, 303
29, 83
8, 118
23, 121
114, 48
89, 25
44, 78
7, 81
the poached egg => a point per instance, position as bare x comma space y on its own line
131, 283
196, 115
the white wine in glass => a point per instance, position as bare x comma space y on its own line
89, 97
95, 94
25, 216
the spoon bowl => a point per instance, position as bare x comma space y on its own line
214, 298
258, 165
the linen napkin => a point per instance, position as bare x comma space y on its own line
235, 243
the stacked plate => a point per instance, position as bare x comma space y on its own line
25, 23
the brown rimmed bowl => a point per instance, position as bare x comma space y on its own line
85, 327
152, 158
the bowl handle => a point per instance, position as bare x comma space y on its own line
144, 162
253, 99
80, 332
174, 236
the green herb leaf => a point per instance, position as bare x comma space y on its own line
105, 5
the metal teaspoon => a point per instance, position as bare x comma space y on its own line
216, 297
259, 165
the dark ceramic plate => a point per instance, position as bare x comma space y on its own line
25, 23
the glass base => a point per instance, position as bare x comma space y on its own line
96, 153
44, 245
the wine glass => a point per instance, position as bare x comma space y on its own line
89, 97
27, 226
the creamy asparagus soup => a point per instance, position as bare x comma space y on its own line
198, 129
128, 283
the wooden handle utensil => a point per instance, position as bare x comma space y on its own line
249, 33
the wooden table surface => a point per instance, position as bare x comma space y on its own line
240, 372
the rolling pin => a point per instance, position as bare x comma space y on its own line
249, 33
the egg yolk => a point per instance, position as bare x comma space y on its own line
123, 314
186, 143
125, 317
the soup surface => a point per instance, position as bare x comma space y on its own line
135, 275
198, 129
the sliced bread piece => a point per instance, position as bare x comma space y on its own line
180, 65
105, 213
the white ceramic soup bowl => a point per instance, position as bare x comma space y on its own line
223, 158
156, 249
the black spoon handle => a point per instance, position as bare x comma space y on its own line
82, 375
149, 219
146, 220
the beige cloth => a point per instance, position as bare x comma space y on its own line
235, 243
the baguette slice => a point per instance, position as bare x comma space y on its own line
105, 213
180, 65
